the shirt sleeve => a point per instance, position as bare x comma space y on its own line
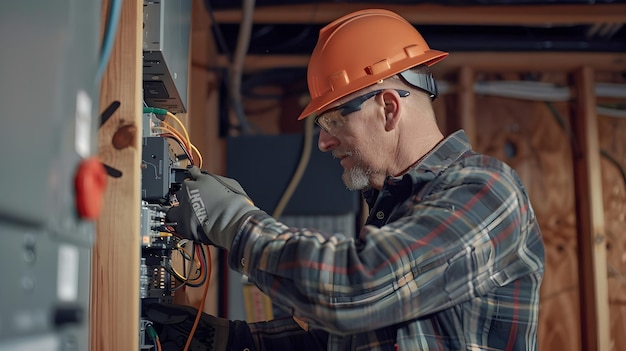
286, 334
469, 233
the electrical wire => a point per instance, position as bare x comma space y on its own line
115, 9
615, 163
182, 126
182, 136
299, 172
186, 256
576, 148
169, 128
154, 336
169, 133
200, 160
204, 265
177, 139
189, 257
236, 69
202, 301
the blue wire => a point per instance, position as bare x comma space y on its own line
115, 9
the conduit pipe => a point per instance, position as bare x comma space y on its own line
236, 68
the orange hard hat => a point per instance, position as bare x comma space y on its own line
359, 49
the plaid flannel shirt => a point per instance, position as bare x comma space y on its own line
451, 258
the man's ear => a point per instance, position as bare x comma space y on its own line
392, 107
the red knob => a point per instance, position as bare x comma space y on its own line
90, 182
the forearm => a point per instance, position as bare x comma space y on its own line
331, 281
428, 260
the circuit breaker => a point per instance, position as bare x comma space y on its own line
168, 262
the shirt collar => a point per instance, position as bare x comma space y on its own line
439, 158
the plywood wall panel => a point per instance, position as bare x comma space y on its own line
612, 133
529, 137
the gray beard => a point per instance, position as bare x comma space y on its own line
356, 178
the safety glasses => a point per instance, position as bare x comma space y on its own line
333, 119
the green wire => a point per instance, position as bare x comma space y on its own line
155, 110
151, 332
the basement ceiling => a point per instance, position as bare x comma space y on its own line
291, 27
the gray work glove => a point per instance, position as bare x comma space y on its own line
173, 324
211, 208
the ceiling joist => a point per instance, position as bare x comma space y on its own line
480, 61
439, 14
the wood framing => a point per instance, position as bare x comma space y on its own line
466, 100
595, 329
324, 13
115, 307
479, 61
115, 264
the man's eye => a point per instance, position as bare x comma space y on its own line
333, 122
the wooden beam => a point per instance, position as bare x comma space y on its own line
467, 103
115, 265
479, 61
595, 326
439, 14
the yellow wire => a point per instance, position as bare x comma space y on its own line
195, 260
194, 148
190, 147
182, 126
182, 137
175, 134
179, 276
170, 128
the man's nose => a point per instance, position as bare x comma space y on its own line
326, 142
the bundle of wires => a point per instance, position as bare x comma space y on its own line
181, 137
194, 276
199, 272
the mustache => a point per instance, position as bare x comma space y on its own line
342, 154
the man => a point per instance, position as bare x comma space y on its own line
451, 256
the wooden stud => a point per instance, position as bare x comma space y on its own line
115, 264
467, 102
595, 328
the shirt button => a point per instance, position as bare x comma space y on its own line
380, 214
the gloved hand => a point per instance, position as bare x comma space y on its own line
173, 323
210, 208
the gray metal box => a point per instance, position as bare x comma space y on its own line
167, 27
49, 96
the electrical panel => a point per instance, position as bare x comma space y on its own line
49, 96
168, 262
320, 200
166, 30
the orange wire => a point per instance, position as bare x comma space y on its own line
170, 128
204, 294
158, 342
